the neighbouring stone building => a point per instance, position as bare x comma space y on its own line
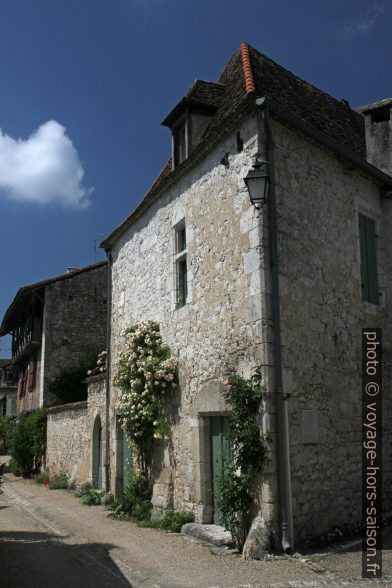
196, 256
55, 324
8, 388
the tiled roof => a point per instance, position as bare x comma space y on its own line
249, 74
207, 95
332, 117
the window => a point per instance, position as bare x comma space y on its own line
9, 377
180, 256
179, 138
367, 242
381, 114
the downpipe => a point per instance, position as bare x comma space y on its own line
108, 361
283, 446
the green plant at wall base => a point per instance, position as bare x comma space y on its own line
172, 521
92, 497
145, 374
135, 503
249, 455
59, 482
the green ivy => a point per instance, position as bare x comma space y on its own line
249, 455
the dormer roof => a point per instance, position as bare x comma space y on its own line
202, 95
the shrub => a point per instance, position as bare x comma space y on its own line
69, 385
28, 442
7, 429
14, 468
83, 489
135, 503
42, 479
92, 497
59, 482
171, 521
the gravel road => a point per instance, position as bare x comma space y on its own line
48, 539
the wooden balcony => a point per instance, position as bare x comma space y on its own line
26, 339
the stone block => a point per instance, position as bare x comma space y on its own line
258, 541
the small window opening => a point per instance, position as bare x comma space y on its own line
179, 136
240, 143
382, 114
181, 270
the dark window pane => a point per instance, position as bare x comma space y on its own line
381, 114
182, 282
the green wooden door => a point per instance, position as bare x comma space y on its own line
127, 459
220, 453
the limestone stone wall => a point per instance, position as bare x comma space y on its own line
72, 436
318, 200
74, 328
220, 327
68, 442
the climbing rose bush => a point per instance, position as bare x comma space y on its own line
145, 374
100, 366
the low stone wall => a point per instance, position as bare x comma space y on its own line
74, 434
68, 443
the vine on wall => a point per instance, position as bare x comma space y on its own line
146, 373
249, 455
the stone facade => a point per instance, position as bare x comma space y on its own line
74, 324
218, 329
319, 199
76, 437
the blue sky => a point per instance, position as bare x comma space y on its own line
85, 85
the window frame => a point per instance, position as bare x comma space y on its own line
180, 154
181, 285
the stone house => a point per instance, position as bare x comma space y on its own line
287, 287
7, 388
55, 324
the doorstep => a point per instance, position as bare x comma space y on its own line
213, 534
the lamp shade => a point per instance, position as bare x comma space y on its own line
257, 183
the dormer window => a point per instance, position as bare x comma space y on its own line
190, 118
180, 143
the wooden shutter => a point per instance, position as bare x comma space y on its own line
367, 239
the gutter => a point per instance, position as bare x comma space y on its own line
108, 361
283, 445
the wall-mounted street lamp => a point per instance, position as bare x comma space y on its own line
257, 183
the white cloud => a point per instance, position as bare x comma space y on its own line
364, 23
44, 168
